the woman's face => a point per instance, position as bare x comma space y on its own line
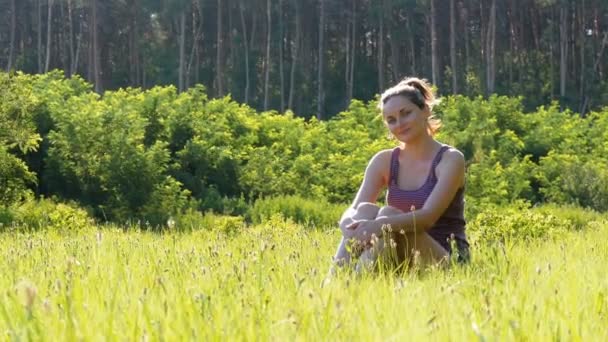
405, 120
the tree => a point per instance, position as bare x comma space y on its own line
295, 50
9, 65
380, 44
281, 64
219, 72
563, 49
453, 47
267, 60
434, 52
490, 50
49, 26
95, 63
321, 61
246, 48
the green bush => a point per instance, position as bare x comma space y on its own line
312, 213
149, 155
46, 214
573, 179
192, 220
580, 218
513, 224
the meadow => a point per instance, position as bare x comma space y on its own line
264, 283
153, 214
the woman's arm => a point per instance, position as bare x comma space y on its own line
374, 179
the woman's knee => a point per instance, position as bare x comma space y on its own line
366, 211
389, 211
426, 245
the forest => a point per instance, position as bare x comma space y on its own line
313, 57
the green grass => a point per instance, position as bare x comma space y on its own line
264, 284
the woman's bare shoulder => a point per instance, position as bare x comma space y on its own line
381, 159
453, 164
453, 155
380, 164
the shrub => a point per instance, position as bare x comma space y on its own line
580, 218
571, 179
48, 214
192, 220
312, 213
512, 224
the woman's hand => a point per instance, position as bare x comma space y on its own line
363, 230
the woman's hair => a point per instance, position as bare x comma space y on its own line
419, 92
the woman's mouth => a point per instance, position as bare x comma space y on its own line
404, 131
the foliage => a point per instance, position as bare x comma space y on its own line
148, 155
308, 212
45, 214
513, 224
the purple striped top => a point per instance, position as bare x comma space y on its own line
450, 222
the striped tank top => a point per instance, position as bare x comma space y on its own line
450, 223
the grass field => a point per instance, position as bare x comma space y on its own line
263, 283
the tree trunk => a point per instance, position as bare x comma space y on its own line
581, 39
464, 17
61, 40
11, 52
347, 52
563, 50
320, 69
281, 66
353, 54
434, 59
48, 35
197, 65
182, 51
71, 39
39, 37
267, 62
511, 43
78, 47
246, 50
552, 54
219, 79
196, 33
96, 61
133, 41
491, 50
380, 61
453, 47
294, 57
395, 47
412, 45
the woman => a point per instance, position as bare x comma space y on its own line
425, 181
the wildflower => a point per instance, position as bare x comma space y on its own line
28, 292
47, 305
170, 223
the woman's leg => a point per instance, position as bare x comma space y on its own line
414, 247
363, 211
